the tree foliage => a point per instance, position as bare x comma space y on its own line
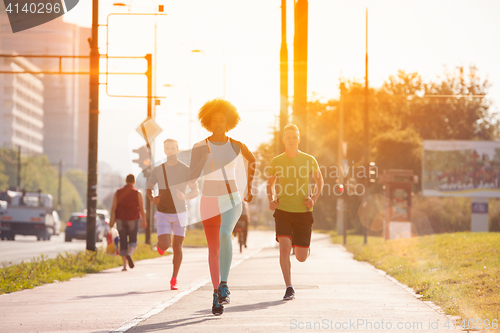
38, 174
78, 178
404, 111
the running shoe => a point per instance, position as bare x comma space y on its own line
217, 309
289, 294
224, 293
173, 284
130, 262
159, 251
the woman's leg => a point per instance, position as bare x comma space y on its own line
210, 215
229, 218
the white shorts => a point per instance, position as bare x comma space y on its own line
168, 223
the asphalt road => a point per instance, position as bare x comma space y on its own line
25, 248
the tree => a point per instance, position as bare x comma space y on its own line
38, 174
4, 179
78, 178
404, 111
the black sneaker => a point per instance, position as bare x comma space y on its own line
289, 294
130, 262
217, 309
223, 292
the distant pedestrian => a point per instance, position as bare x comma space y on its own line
243, 222
172, 215
127, 210
293, 204
220, 204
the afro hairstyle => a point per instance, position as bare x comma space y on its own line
222, 106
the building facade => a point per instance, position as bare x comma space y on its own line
21, 107
66, 97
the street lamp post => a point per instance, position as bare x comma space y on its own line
93, 128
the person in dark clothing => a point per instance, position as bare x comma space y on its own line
243, 222
127, 210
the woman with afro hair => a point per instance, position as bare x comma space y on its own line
215, 159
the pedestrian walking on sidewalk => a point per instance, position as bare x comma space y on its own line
172, 215
127, 210
292, 201
243, 223
220, 206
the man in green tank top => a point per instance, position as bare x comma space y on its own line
289, 196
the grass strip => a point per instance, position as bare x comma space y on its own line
42, 270
458, 271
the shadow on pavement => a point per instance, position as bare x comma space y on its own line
243, 308
122, 294
168, 325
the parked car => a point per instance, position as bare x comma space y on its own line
104, 215
76, 227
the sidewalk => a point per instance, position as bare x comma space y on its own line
333, 293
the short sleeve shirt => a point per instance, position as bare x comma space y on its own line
177, 179
293, 180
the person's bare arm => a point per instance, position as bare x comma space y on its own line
193, 193
199, 155
141, 211
155, 200
248, 155
318, 187
112, 218
273, 203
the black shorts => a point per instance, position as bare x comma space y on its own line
296, 226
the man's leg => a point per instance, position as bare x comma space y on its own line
164, 242
177, 260
124, 259
123, 242
163, 230
245, 232
302, 229
286, 266
133, 229
301, 253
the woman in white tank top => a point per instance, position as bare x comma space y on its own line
215, 159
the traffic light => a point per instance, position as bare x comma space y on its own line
144, 160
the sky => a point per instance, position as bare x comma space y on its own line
239, 44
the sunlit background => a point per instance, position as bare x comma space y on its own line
237, 43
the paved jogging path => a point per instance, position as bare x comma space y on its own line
334, 293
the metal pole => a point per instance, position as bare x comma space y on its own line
93, 129
367, 133
284, 77
149, 203
59, 190
189, 114
19, 168
340, 156
300, 70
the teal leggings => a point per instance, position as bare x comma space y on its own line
219, 216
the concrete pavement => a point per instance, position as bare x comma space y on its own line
333, 293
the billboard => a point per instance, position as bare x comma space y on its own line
461, 168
